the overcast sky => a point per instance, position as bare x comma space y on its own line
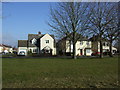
23, 18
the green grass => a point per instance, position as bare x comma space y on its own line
60, 73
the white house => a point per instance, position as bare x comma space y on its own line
38, 43
1, 48
6, 48
83, 46
96, 45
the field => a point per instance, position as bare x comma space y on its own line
60, 73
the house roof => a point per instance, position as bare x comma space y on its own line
3, 45
28, 43
37, 36
81, 38
96, 38
22, 43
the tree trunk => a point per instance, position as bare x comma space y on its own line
74, 46
74, 51
101, 49
110, 46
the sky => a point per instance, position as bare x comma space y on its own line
23, 18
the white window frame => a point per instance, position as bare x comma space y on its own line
88, 50
34, 41
46, 41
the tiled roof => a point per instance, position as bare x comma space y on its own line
3, 45
22, 43
36, 36
81, 38
96, 38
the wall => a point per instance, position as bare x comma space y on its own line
69, 47
50, 44
1, 49
22, 49
83, 47
96, 45
11, 50
61, 46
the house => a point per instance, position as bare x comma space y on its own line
5, 48
15, 50
96, 45
38, 43
1, 48
83, 46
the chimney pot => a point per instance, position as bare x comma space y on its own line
39, 32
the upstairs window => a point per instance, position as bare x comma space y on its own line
87, 43
107, 44
81, 42
47, 41
34, 41
104, 44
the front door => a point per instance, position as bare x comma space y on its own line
81, 52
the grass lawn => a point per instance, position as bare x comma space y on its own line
60, 73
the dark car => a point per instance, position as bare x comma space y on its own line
106, 53
95, 54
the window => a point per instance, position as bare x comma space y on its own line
104, 44
87, 43
47, 41
34, 41
104, 50
34, 50
107, 44
88, 50
81, 42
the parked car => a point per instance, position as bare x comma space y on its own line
106, 53
95, 54
5, 52
22, 53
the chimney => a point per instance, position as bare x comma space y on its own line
39, 32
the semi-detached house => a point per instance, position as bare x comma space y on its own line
45, 43
83, 46
38, 43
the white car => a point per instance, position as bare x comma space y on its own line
22, 53
6, 51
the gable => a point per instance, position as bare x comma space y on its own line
47, 36
50, 38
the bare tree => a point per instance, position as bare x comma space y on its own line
68, 19
101, 16
113, 30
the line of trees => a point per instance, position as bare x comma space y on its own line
72, 19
